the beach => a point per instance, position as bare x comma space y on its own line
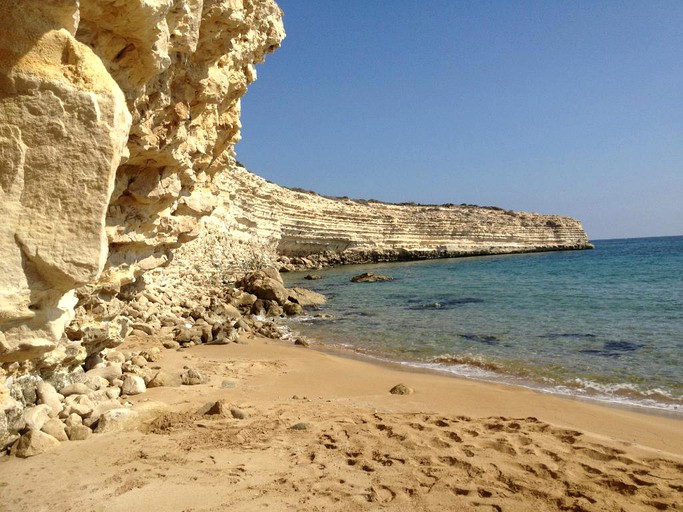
314, 430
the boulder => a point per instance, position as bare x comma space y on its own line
34, 442
75, 389
36, 416
78, 432
306, 297
163, 378
133, 385
369, 277
56, 429
116, 420
47, 394
266, 284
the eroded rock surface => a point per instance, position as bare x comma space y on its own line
115, 118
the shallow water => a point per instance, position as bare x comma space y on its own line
605, 324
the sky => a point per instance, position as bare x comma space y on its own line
565, 107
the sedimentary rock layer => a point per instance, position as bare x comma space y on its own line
257, 222
114, 118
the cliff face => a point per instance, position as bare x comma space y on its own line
115, 117
258, 222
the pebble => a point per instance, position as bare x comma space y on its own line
299, 426
301, 342
169, 344
228, 384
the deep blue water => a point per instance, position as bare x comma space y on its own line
605, 324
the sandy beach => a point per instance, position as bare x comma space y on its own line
322, 432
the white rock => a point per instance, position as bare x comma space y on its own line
111, 372
116, 420
133, 385
103, 407
56, 429
47, 394
73, 419
36, 416
75, 389
79, 404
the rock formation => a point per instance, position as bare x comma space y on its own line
257, 222
114, 119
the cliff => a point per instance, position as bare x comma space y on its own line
257, 222
115, 118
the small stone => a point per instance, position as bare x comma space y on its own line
34, 442
312, 277
114, 356
212, 409
299, 426
78, 432
133, 385
117, 383
79, 404
145, 328
75, 389
95, 382
113, 392
55, 428
170, 344
228, 384
238, 413
369, 277
151, 355
111, 372
301, 342
139, 361
401, 389
47, 394
163, 378
36, 416
93, 361
191, 377
241, 325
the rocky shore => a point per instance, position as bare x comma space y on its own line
72, 402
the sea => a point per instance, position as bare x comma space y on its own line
603, 324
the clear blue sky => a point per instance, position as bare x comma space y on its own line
568, 107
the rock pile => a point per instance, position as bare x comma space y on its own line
43, 410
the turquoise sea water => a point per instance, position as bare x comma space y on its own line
605, 324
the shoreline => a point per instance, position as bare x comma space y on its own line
319, 431
407, 366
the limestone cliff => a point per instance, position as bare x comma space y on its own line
115, 117
257, 222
